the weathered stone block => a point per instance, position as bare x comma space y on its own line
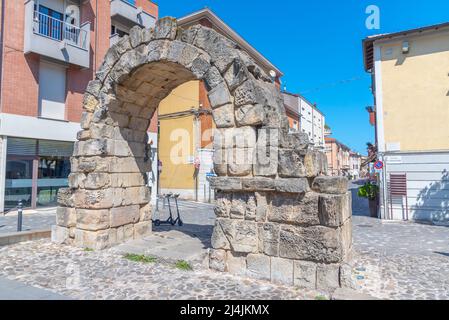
97, 240
282, 271
128, 232
223, 139
241, 235
250, 115
131, 196
331, 185
142, 229
217, 260
226, 184
84, 135
259, 184
265, 161
112, 236
261, 206
92, 220
295, 140
60, 235
269, 238
146, 212
258, 266
304, 273
220, 96
127, 180
294, 209
328, 277
220, 162
65, 197
224, 116
219, 239
292, 185
86, 120
135, 36
165, 28
236, 74
236, 263
244, 137
248, 93
200, 66
315, 243
212, 78
223, 204
240, 161
238, 206
346, 239
334, 210
291, 163
93, 199
96, 180
90, 102
65, 217
268, 137
124, 215
313, 164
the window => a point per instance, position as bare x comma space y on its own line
35, 171
52, 91
119, 32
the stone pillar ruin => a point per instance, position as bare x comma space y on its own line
278, 217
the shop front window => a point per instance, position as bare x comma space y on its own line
19, 178
35, 171
52, 175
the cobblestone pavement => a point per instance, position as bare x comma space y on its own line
39, 219
392, 260
79, 274
399, 260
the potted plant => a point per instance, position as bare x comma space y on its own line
371, 192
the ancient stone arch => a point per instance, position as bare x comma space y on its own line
277, 218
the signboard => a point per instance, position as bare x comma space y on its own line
394, 159
378, 165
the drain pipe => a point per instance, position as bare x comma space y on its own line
2, 39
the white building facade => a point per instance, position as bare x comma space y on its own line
311, 119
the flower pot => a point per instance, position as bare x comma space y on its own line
373, 206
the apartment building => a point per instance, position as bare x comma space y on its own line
410, 72
185, 121
355, 165
311, 119
338, 157
50, 50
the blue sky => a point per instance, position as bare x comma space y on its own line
317, 44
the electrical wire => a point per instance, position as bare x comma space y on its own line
332, 84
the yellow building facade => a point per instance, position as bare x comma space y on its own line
177, 136
410, 72
415, 92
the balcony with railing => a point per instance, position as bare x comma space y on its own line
55, 38
126, 13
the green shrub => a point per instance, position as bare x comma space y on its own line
369, 191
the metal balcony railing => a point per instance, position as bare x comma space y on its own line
58, 30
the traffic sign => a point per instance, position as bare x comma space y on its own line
379, 165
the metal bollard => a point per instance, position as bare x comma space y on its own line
19, 216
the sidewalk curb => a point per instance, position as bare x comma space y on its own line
16, 237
